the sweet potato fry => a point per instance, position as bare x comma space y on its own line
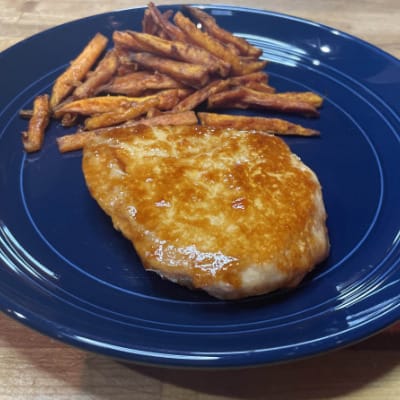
125, 40
182, 51
101, 75
101, 104
190, 74
260, 87
297, 103
78, 69
306, 97
226, 98
211, 26
93, 105
248, 67
76, 141
125, 64
203, 39
260, 76
118, 116
170, 30
269, 101
137, 83
200, 95
270, 125
150, 26
232, 48
32, 139
166, 15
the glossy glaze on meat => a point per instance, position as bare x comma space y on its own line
231, 212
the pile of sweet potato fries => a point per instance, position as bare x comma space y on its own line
159, 77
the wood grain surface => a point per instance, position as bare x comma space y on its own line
33, 366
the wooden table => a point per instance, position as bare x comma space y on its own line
33, 366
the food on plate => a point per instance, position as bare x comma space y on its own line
32, 139
176, 50
120, 115
192, 75
204, 40
303, 103
172, 66
213, 29
104, 71
104, 104
269, 125
232, 212
210, 200
138, 83
78, 69
164, 27
199, 96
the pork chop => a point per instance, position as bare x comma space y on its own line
234, 213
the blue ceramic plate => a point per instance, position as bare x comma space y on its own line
67, 273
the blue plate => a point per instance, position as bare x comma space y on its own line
67, 273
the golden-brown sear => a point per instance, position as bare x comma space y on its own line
232, 212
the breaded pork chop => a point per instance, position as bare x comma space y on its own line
231, 212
